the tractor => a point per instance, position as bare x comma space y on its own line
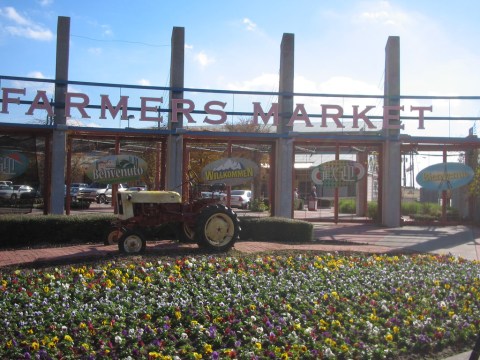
205, 221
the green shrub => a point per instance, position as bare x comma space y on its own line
432, 209
372, 210
258, 205
347, 206
275, 229
29, 230
408, 208
416, 210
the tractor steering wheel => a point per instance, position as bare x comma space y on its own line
193, 177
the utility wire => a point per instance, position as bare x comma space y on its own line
122, 41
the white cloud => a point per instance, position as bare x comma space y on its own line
93, 124
36, 75
107, 31
45, 2
12, 14
203, 59
347, 85
144, 82
34, 86
250, 25
188, 46
95, 51
30, 33
23, 27
382, 12
264, 82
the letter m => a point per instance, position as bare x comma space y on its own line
258, 111
107, 105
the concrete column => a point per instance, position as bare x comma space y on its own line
391, 165
175, 142
283, 198
473, 212
57, 189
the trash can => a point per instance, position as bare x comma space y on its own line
312, 205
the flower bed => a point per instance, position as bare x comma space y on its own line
287, 306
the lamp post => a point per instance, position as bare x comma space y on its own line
128, 118
159, 116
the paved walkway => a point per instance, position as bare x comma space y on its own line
462, 241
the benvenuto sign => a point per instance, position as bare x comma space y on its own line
114, 169
149, 106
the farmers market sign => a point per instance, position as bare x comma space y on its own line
338, 173
445, 176
214, 110
117, 169
12, 164
230, 171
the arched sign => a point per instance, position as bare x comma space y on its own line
12, 164
230, 171
115, 169
338, 173
445, 176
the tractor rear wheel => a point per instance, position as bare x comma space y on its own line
132, 242
217, 228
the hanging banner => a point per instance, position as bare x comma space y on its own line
338, 173
230, 171
445, 176
116, 169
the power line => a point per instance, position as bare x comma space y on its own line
121, 41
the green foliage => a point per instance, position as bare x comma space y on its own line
31, 230
258, 205
416, 210
372, 210
408, 208
431, 209
276, 229
474, 186
347, 206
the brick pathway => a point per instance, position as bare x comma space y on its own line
328, 237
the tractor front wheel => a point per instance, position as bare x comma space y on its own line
132, 242
113, 236
217, 228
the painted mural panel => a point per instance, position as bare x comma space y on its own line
445, 176
230, 171
115, 169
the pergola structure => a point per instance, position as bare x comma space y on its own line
172, 146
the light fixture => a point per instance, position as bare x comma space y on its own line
128, 118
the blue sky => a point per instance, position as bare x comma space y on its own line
339, 46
